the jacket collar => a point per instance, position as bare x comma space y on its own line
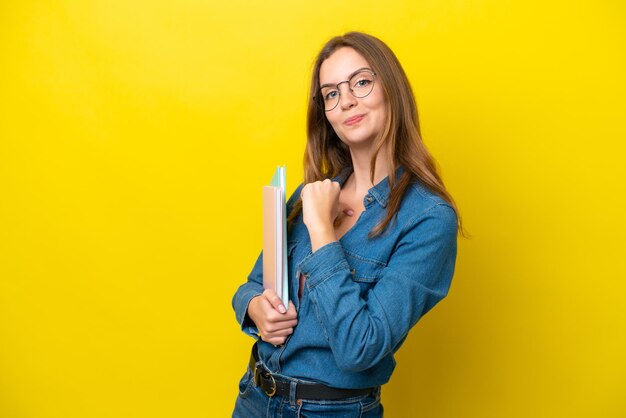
380, 191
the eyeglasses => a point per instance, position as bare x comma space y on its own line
360, 84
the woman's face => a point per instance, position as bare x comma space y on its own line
357, 121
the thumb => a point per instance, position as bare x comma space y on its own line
344, 207
274, 300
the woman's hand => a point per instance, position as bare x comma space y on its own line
275, 323
320, 207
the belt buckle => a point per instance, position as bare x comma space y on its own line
257, 379
273, 391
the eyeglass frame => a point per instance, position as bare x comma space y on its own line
369, 70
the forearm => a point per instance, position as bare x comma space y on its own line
321, 235
244, 294
358, 330
363, 330
241, 301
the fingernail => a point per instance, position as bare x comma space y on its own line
350, 212
281, 308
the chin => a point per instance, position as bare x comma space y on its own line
358, 142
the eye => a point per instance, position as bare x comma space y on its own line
361, 81
330, 95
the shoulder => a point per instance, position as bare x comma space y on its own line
296, 193
422, 205
294, 197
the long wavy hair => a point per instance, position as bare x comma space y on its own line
326, 155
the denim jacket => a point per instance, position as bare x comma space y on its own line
361, 295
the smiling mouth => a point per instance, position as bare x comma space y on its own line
354, 120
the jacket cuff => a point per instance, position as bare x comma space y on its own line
241, 309
323, 263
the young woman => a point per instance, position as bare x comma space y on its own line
371, 245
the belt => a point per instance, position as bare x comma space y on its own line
276, 385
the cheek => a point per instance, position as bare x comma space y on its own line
381, 109
380, 102
333, 120
376, 102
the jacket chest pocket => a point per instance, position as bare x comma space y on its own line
366, 274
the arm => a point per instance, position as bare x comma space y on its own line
260, 312
244, 294
418, 275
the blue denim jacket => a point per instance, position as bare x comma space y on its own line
361, 296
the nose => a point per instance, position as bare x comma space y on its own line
346, 99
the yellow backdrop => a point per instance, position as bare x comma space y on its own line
134, 140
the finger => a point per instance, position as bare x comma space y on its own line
274, 317
284, 324
290, 318
271, 336
281, 332
272, 327
306, 190
273, 339
291, 312
274, 300
276, 341
345, 209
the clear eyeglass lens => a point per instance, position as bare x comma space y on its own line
330, 96
361, 84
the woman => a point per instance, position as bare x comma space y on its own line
370, 251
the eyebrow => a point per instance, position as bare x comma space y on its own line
349, 77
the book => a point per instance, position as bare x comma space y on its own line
275, 274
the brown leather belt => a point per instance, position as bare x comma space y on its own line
276, 385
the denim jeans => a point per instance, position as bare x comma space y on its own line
253, 402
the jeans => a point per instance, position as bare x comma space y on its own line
253, 402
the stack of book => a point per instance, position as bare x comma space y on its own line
275, 236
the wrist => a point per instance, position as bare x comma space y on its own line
252, 306
322, 236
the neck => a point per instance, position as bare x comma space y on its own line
361, 162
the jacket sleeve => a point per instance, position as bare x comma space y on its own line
361, 331
254, 285
244, 294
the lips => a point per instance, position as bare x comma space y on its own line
354, 120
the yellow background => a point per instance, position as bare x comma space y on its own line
134, 140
